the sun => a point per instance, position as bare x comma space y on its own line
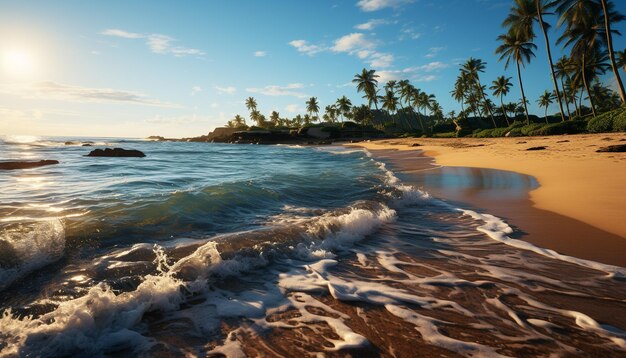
18, 63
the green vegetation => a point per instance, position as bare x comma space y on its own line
399, 109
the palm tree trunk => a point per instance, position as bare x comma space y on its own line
609, 42
569, 115
545, 114
545, 35
521, 86
503, 112
593, 108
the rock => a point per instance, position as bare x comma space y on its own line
86, 145
619, 148
26, 165
536, 148
522, 142
116, 152
416, 145
562, 141
72, 143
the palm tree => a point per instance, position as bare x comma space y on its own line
583, 32
516, 48
251, 103
501, 87
366, 82
239, 121
562, 69
312, 107
608, 18
521, 19
390, 103
343, 106
275, 118
545, 100
472, 68
621, 59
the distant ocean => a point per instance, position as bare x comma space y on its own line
270, 250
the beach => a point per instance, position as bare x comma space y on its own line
577, 208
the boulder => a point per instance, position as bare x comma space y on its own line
26, 165
619, 148
116, 152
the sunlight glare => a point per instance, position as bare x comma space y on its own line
18, 63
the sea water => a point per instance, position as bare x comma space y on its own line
253, 250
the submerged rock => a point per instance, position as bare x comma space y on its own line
116, 152
618, 148
26, 165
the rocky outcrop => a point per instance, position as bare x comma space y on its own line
116, 152
26, 165
619, 148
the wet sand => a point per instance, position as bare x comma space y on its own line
548, 205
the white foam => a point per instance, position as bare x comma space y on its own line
41, 244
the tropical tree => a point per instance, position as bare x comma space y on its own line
517, 48
472, 68
562, 70
275, 118
611, 16
390, 102
330, 114
501, 87
312, 106
367, 82
620, 57
343, 106
545, 100
521, 19
585, 34
251, 103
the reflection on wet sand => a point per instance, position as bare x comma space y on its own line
505, 194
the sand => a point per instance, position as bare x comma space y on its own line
580, 192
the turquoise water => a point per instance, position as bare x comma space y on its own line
215, 248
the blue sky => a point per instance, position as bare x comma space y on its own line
139, 68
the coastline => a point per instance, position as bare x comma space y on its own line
579, 196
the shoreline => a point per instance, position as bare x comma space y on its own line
576, 209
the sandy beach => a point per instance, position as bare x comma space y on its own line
580, 193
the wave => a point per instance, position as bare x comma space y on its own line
102, 321
28, 247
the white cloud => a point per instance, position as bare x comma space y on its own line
306, 48
374, 5
260, 54
58, 91
158, 43
410, 33
195, 90
228, 89
293, 108
370, 25
433, 51
429, 67
179, 120
273, 90
122, 33
380, 60
423, 73
353, 42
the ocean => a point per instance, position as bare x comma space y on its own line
246, 250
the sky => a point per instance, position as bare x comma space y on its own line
178, 69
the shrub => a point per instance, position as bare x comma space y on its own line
619, 122
485, 133
529, 128
499, 132
605, 121
349, 124
515, 132
445, 135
